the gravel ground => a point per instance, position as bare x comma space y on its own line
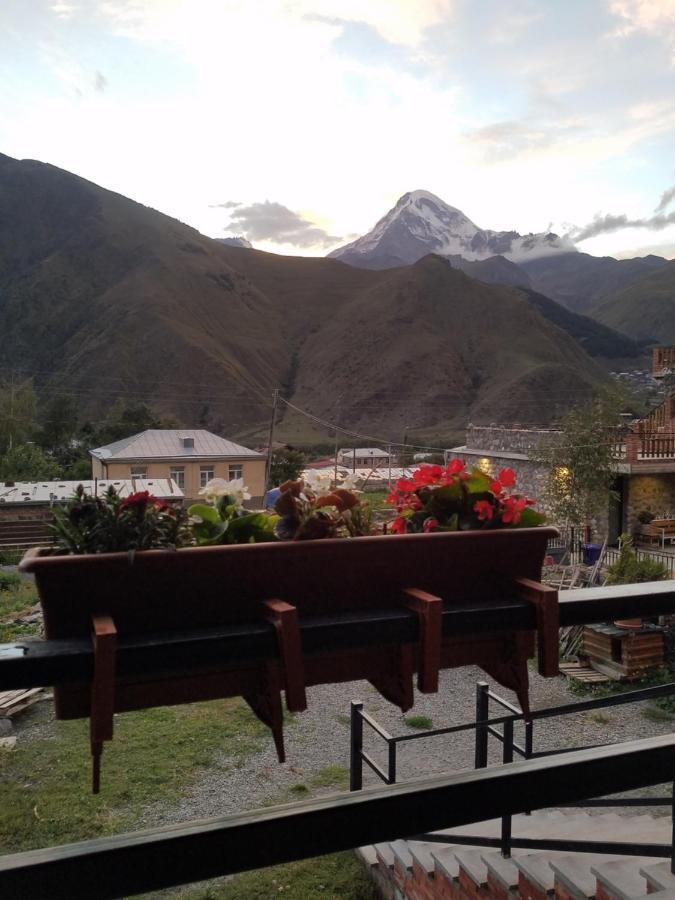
319, 738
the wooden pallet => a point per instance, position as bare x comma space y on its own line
582, 673
13, 702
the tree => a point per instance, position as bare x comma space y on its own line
17, 413
287, 464
27, 462
59, 423
580, 463
127, 418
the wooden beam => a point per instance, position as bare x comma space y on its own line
37, 663
129, 864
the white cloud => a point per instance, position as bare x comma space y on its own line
63, 10
656, 17
399, 21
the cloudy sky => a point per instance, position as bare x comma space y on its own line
300, 122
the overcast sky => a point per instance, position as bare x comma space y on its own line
300, 122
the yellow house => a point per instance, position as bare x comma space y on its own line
192, 457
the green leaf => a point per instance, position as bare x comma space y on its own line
530, 518
478, 482
207, 513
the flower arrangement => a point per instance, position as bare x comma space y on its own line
310, 509
450, 498
107, 524
434, 498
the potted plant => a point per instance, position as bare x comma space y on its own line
458, 537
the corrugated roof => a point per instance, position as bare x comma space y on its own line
49, 491
168, 443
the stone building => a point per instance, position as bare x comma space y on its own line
645, 467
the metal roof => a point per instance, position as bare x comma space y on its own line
23, 492
169, 443
363, 451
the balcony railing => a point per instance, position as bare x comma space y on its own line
129, 864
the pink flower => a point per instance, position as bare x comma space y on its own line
429, 524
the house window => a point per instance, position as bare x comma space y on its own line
178, 475
235, 471
138, 472
205, 475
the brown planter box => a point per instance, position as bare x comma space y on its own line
192, 588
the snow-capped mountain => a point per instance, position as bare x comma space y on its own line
235, 242
421, 223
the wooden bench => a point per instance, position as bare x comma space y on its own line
657, 531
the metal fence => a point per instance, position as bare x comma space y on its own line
485, 728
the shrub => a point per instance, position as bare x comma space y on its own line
628, 569
9, 580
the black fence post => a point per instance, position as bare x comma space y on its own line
507, 757
672, 849
356, 746
392, 762
482, 713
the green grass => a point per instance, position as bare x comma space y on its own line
18, 598
155, 756
600, 718
337, 877
655, 713
331, 776
423, 723
11, 556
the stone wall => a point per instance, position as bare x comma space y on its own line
655, 493
506, 438
530, 480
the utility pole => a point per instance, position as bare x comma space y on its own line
389, 466
268, 474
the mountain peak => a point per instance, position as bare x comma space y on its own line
422, 223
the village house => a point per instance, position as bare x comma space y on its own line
191, 457
363, 457
645, 461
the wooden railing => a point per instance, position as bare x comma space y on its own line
657, 445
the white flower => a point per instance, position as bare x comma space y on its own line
316, 481
220, 487
350, 482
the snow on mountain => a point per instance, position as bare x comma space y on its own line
235, 242
422, 223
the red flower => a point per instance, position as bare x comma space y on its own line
513, 510
496, 488
484, 510
405, 486
139, 500
507, 477
454, 467
399, 525
429, 524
